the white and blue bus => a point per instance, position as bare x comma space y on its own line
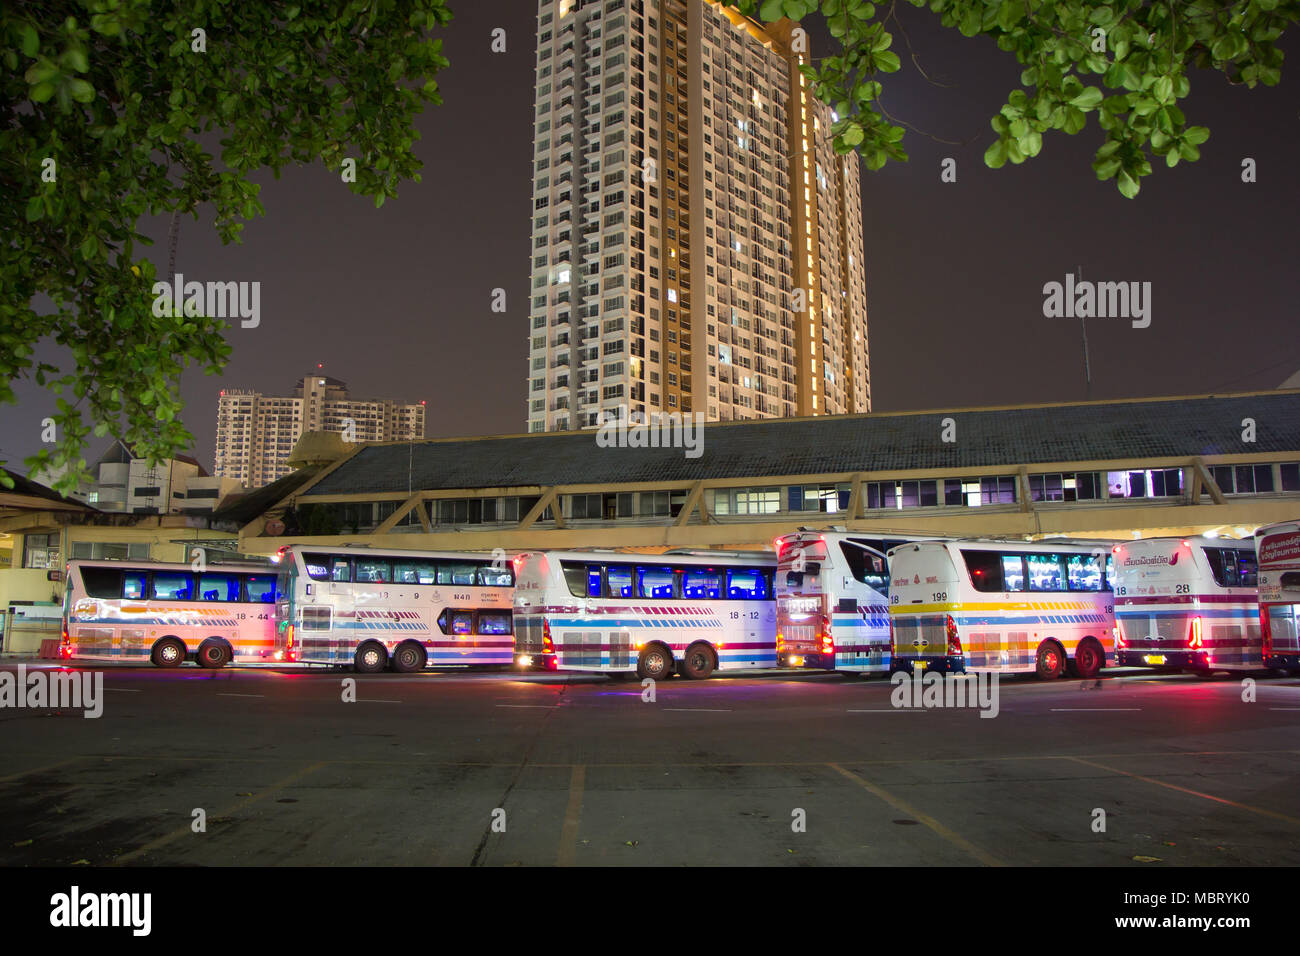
832, 601
1187, 603
405, 609
648, 614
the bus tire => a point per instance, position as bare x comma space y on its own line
409, 657
698, 662
169, 652
371, 658
213, 653
1051, 661
655, 662
1088, 658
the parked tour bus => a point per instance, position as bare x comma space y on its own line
170, 613
1278, 552
410, 609
1187, 603
1006, 607
647, 614
832, 601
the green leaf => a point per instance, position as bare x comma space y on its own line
1127, 184
1088, 99
29, 39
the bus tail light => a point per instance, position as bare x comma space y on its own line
828, 640
288, 635
547, 646
1265, 632
1194, 633
1119, 637
954, 640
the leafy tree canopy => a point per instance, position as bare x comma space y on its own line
1125, 61
119, 95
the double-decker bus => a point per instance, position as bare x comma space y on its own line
832, 601
996, 606
170, 613
405, 609
1277, 549
1187, 603
648, 614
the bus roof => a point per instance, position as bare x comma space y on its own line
367, 551
642, 557
1082, 545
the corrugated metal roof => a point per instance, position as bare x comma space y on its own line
1156, 428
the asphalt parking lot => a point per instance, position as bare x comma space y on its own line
800, 769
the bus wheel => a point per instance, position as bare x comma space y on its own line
1051, 661
213, 654
370, 658
1087, 659
698, 662
409, 657
169, 652
655, 662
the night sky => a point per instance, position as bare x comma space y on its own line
396, 301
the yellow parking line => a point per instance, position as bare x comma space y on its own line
903, 807
1196, 793
229, 811
572, 814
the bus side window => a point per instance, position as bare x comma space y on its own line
495, 577
985, 568
1249, 569
620, 581
374, 571
703, 583
655, 582
1013, 572
219, 587
1046, 572
593, 580
746, 584
1083, 572
259, 588
102, 582
133, 585
341, 570
172, 586
494, 622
